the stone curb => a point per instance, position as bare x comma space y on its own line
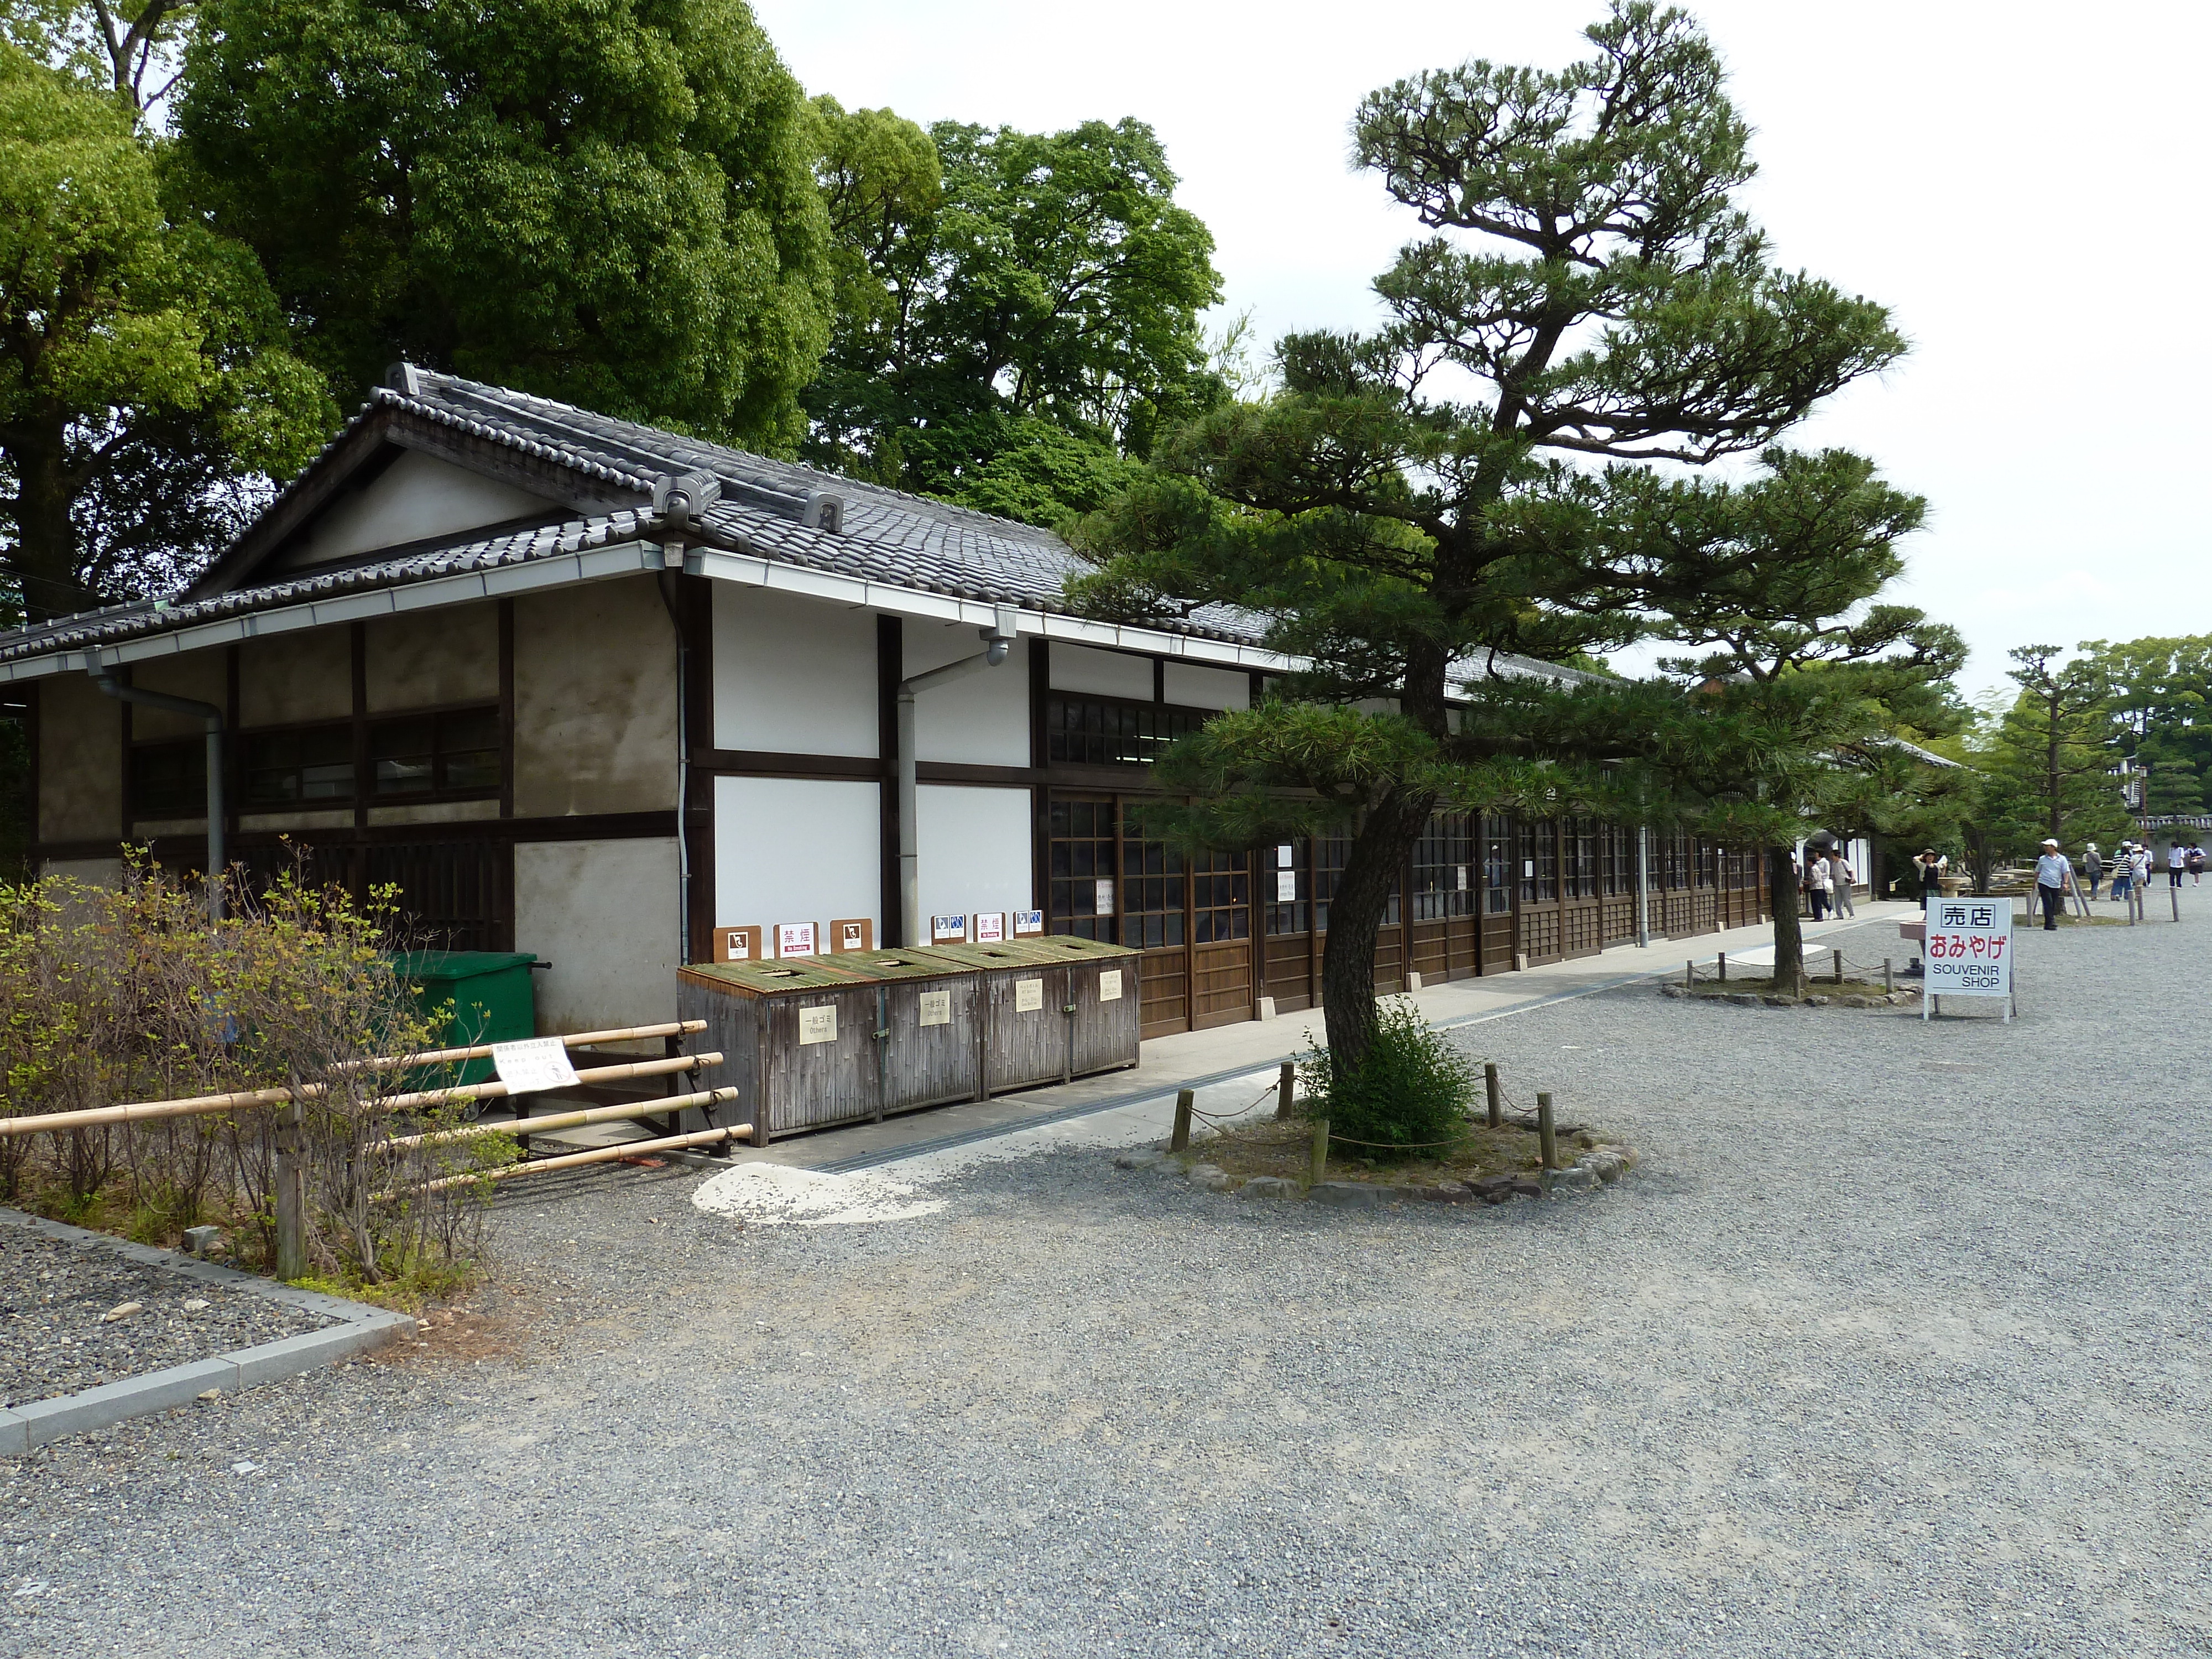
361, 1329
1600, 1167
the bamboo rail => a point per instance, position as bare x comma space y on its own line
99, 1117
577, 1120
569, 1161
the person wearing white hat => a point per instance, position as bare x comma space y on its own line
2050, 872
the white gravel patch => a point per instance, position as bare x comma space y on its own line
774, 1195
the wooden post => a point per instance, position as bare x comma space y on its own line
1839, 967
1490, 1087
1888, 978
1287, 1090
2174, 893
1689, 973
1319, 1151
1547, 1142
1722, 957
1180, 1140
291, 1195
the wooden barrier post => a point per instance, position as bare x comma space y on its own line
1722, 959
1546, 1140
1689, 973
2174, 893
1491, 1088
291, 1195
1888, 979
1319, 1151
1287, 1090
1180, 1140
1839, 967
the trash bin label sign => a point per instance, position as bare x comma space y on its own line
1110, 985
949, 930
1028, 995
539, 1063
1027, 921
936, 1007
1969, 948
817, 1024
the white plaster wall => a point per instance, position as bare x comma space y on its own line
982, 720
974, 846
606, 914
1189, 686
1101, 673
793, 675
93, 872
797, 849
416, 496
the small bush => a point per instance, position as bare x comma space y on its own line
1412, 1090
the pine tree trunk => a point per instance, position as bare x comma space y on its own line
1789, 936
1378, 852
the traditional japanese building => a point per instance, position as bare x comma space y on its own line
585, 689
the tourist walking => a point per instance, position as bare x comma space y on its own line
1819, 885
1840, 874
2093, 866
2123, 869
2051, 871
2176, 860
2195, 865
1931, 877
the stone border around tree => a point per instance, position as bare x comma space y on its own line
359, 1329
1602, 1165
1903, 997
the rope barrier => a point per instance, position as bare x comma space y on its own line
1229, 1117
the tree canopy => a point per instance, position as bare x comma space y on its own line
146, 381
1018, 312
1406, 504
610, 202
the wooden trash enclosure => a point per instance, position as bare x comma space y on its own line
798, 1035
813, 1042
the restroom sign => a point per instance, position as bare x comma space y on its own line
949, 930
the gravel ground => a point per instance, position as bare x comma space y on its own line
1894, 1345
54, 1339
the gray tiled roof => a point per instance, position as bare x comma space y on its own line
885, 534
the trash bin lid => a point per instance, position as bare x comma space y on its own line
1004, 953
457, 964
897, 964
762, 978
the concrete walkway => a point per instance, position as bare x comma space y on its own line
1229, 1065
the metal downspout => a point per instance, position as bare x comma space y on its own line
998, 640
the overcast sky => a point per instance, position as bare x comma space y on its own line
2022, 184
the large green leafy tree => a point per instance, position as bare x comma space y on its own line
146, 382
1403, 506
610, 202
2051, 758
2161, 706
1018, 312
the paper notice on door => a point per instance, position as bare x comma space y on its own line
1028, 995
1110, 985
1286, 886
936, 1007
539, 1063
817, 1024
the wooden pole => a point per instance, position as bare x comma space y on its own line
1320, 1168
574, 1160
539, 1125
1722, 957
94, 1116
1689, 973
1839, 967
291, 1195
1180, 1140
1286, 1089
1547, 1140
1888, 978
1492, 1089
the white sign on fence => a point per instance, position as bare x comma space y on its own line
1110, 985
817, 1025
936, 1008
1969, 951
1028, 995
539, 1063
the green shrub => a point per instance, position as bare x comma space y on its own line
1414, 1090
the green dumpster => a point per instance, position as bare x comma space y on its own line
491, 997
